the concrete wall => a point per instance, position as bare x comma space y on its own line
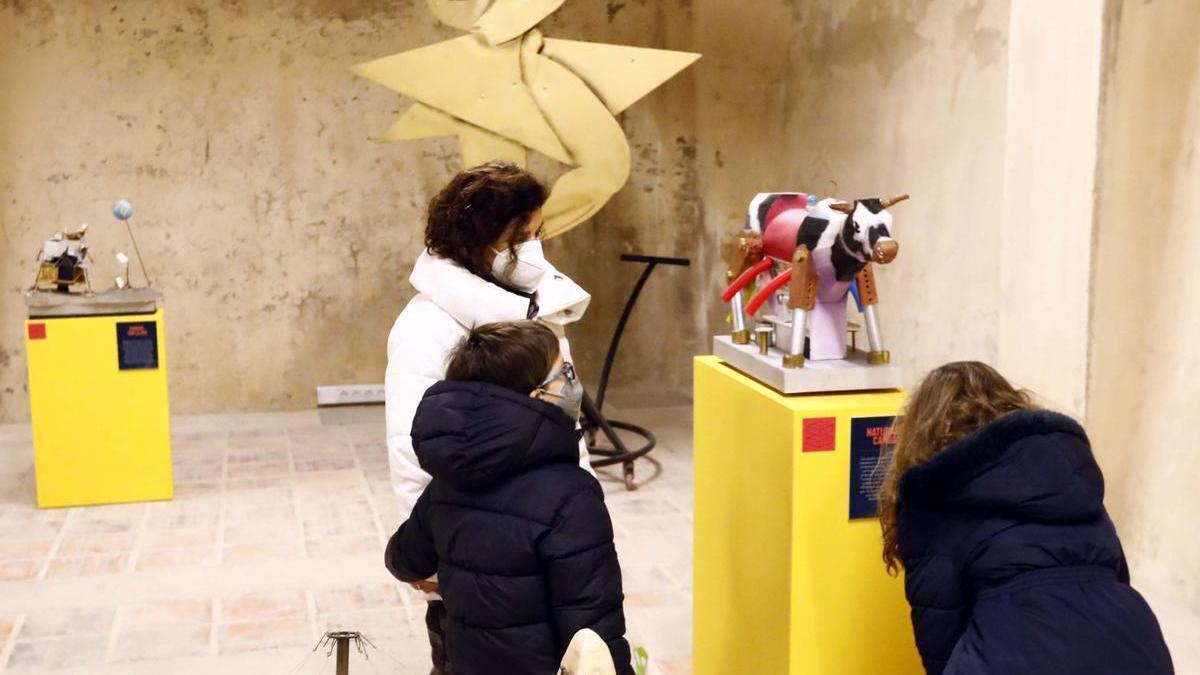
1142, 389
909, 97
1054, 80
282, 235
880, 98
277, 230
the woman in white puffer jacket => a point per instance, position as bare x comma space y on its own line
483, 263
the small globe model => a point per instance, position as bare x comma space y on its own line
123, 210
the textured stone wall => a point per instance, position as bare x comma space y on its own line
1143, 389
877, 97
277, 230
282, 235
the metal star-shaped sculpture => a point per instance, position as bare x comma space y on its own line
505, 89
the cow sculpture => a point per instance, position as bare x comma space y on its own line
806, 254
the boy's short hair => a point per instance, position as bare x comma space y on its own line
516, 355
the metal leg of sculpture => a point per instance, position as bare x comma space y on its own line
878, 355
802, 298
870, 298
743, 253
741, 336
795, 354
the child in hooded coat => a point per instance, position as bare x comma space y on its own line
516, 531
1012, 565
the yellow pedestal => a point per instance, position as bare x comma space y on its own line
101, 434
785, 580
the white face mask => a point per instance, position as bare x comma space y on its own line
527, 273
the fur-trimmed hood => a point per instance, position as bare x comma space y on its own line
1032, 464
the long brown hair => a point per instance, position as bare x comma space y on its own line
951, 402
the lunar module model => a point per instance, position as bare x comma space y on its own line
63, 263
799, 260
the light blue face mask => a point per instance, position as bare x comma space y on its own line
571, 397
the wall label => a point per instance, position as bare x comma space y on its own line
870, 439
137, 345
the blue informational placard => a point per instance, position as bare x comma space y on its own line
870, 439
137, 345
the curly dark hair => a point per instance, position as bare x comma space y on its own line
476, 208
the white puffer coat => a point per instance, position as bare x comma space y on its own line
450, 301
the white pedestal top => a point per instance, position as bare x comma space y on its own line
851, 374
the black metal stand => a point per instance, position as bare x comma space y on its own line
339, 641
594, 422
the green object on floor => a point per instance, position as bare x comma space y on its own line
640, 660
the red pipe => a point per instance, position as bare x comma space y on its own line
767, 291
745, 279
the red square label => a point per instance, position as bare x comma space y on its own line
37, 331
820, 434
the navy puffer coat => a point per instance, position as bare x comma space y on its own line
517, 533
1012, 564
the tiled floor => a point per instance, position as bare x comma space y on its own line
275, 535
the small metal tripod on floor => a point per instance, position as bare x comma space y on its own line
593, 421
340, 641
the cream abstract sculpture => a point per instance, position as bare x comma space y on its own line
505, 89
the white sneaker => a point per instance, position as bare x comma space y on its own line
587, 655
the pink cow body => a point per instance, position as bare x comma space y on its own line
818, 249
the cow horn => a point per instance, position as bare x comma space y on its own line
843, 207
887, 203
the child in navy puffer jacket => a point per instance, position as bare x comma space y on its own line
995, 510
516, 531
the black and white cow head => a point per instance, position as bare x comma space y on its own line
867, 232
